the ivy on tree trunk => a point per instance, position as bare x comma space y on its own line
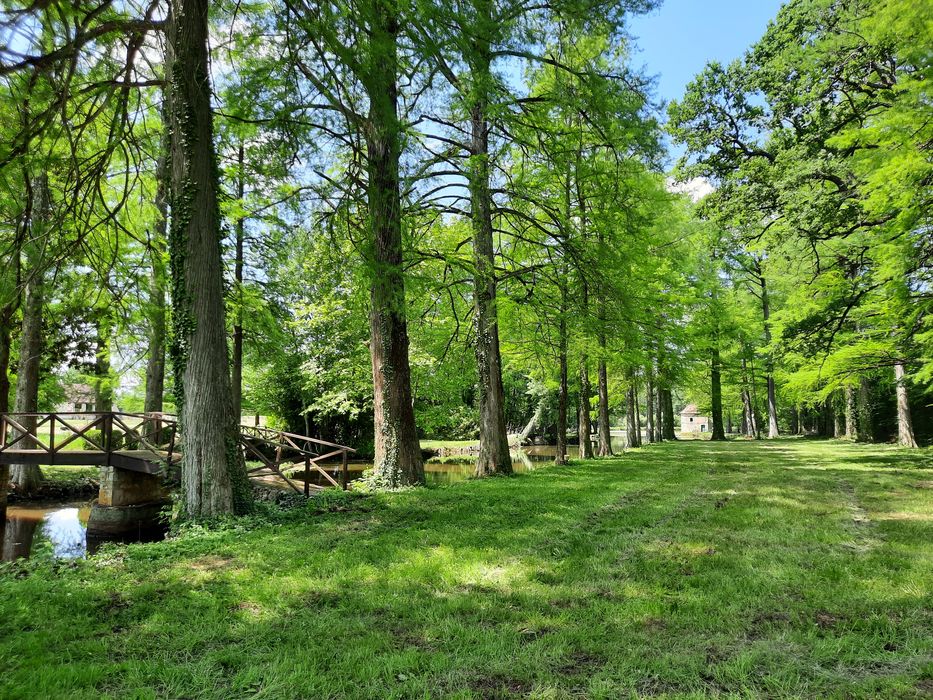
26, 478
493, 457
398, 459
214, 478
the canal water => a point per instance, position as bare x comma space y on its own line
460, 468
54, 528
59, 529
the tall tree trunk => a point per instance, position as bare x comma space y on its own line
749, 418
773, 430
839, 426
659, 415
157, 307
214, 478
5, 343
561, 456
828, 418
865, 422
9, 300
632, 428
905, 426
398, 452
649, 409
716, 394
668, 400
605, 436
753, 402
103, 387
493, 454
26, 478
637, 411
236, 361
851, 430
584, 427
155, 364
604, 448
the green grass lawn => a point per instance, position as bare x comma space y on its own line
68, 475
439, 444
778, 569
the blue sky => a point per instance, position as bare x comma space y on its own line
677, 40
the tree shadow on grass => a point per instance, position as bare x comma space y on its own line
681, 568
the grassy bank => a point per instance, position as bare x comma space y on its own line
793, 568
65, 482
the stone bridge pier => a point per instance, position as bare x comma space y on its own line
129, 504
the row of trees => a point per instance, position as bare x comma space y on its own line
386, 221
413, 127
817, 144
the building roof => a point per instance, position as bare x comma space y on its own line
78, 391
690, 410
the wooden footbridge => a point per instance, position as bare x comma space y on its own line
148, 443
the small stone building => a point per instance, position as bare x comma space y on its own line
692, 422
79, 398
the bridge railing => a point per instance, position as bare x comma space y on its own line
50, 434
277, 448
43, 436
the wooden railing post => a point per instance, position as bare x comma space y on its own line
344, 467
107, 434
171, 442
307, 476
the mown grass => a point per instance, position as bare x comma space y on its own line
780, 569
438, 444
67, 475
64, 482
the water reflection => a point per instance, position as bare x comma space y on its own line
460, 468
59, 528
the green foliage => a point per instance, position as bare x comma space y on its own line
815, 143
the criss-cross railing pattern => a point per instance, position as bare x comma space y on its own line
278, 449
149, 442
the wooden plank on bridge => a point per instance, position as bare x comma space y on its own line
144, 461
21, 443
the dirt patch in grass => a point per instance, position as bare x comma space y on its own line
581, 663
530, 634
213, 562
825, 620
409, 639
771, 617
499, 687
321, 599
249, 607
113, 603
654, 624
657, 687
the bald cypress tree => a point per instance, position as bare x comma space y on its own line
26, 478
213, 473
